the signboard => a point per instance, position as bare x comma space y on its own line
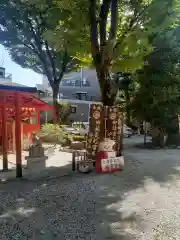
95, 129
113, 125
104, 122
112, 164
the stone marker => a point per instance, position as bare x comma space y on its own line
36, 159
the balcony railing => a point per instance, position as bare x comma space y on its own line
8, 76
75, 83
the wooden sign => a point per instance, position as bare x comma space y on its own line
96, 130
104, 122
114, 125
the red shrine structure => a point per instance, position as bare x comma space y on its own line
20, 116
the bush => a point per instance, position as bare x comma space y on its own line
64, 112
52, 133
50, 128
78, 138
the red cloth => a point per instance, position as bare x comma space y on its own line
100, 155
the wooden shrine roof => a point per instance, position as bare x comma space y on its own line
27, 100
17, 87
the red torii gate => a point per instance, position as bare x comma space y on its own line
16, 100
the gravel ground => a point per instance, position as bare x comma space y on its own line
142, 202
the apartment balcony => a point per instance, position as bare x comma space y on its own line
6, 78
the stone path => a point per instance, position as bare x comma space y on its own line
56, 161
142, 202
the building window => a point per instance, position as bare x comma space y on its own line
42, 94
73, 109
78, 83
60, 95
1, 74
81, 96
67, 82
85, 83
75, 83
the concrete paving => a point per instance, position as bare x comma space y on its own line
140, 203
56, 160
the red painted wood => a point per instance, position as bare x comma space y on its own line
38, 118
18, 136
4, 138
14, 101
27, 100
100, 155
30, 128
55, 118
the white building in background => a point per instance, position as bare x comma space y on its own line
5, 77
81, 85
44, 86
79, 89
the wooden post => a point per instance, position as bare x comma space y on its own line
55, 117
38, 117
73, 162
46, 117
22, 137
14, 136
18, 135
4, 138
145, 133
29, 117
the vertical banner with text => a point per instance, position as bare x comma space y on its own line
114, 125
96, 129
104, 122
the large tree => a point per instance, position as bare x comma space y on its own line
158, 97
23, 27
124, 83
115, 35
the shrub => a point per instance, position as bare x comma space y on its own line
53, 134
78, 138
50, 128
65, 111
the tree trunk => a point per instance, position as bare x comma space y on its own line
55, 90
173, 132
107, 96
127, 98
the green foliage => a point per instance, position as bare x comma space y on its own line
136, 21
23, 26
64, 112
52, 133
78, 138
114, 35
158, 97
